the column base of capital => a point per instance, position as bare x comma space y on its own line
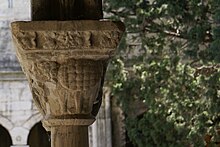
48, 123
20, 146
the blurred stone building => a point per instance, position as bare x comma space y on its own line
19, 118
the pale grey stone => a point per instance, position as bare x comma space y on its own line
19, 135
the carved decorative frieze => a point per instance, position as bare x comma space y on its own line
65, 40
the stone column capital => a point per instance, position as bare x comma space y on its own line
65, 63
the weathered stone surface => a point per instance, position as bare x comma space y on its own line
65, 63
79, 38
65, 40
69, 136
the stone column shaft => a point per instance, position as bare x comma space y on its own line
69, 136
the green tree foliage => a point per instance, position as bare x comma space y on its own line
168, 62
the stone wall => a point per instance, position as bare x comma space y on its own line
100, 133
10, 10
17, 111
18, 114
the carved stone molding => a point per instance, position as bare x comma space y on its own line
65, 63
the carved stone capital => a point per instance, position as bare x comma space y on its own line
65, 63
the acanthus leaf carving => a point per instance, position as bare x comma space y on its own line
65, 63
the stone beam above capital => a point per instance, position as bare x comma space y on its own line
66, 9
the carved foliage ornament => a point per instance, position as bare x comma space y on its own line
65, 62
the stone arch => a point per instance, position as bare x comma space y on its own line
38, 136
6, 123
19, 134
5, 137
34, 119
